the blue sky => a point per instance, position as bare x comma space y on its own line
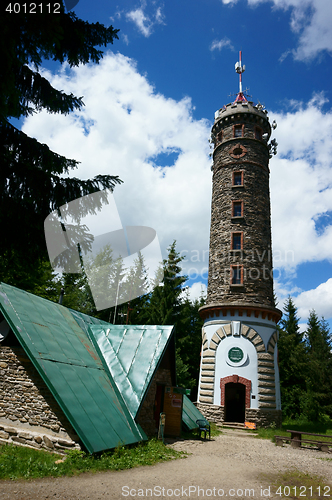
149, 108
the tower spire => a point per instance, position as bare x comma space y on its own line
240, 69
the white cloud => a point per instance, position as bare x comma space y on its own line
145, 23
301, 201
301, 185
159, 16
117, 16
316, 35
125, 39
310, 20
128, 129
220, 44
195, 292
319, 298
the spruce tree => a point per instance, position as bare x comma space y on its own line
33, 179
165, 301
292, 362
77, 293
165, 306
115, 287
319, 369
137, 289
169, 304
189, 343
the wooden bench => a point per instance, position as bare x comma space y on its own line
296, 440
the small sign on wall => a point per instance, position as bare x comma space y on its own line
235, 354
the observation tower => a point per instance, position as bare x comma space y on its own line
239, 376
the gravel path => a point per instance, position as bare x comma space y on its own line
228, 465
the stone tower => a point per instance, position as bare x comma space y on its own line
239, 377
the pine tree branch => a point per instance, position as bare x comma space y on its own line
30, 171
28, 39
37, 90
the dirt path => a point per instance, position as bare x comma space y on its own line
230, 465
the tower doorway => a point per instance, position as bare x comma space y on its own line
235, 402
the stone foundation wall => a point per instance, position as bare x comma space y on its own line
261, 417
264, 418
213, 413
31, 439
146, 413
29, 414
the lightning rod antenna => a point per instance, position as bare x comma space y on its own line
240, 69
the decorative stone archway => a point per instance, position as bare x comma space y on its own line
236, 380
267, 411
209, 356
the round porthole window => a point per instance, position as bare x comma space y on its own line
238, 151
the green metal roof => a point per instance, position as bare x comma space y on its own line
85, 321
190, 414
68, 363
132, 354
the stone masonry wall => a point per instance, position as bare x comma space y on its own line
29, 415
264, 418
146, 413
213, 413
250, 156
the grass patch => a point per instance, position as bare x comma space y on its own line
297, 425
269, 433
215, 430
305, 426
295, 484
25, 463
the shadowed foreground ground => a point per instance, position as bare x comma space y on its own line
232, 465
